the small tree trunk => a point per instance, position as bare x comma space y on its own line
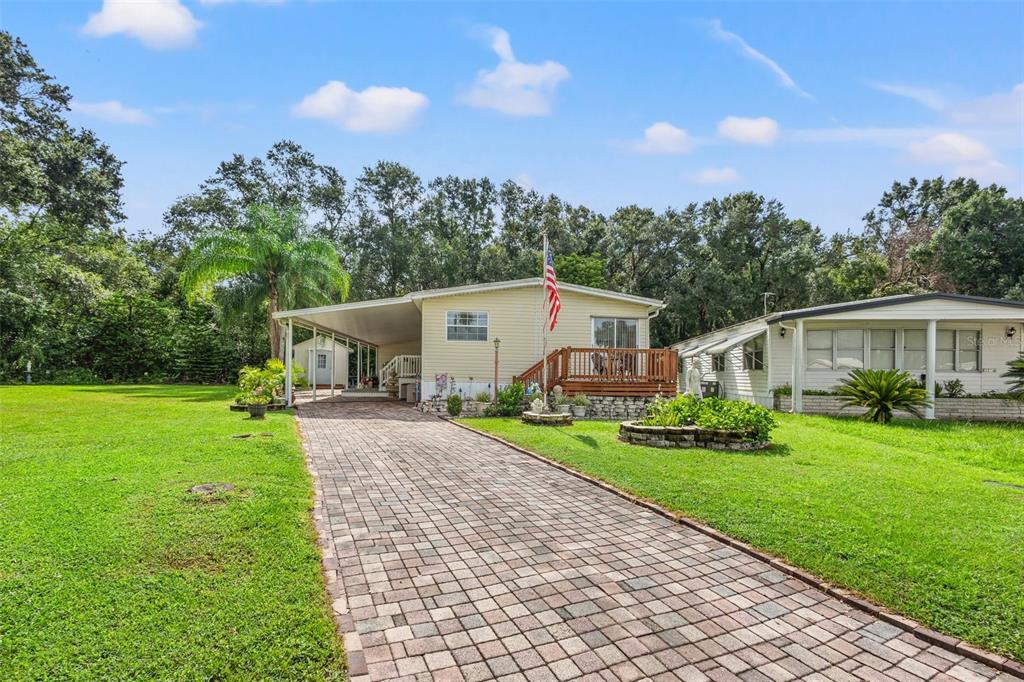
272, 326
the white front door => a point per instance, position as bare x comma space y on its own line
323, 368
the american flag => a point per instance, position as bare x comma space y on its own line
551, 284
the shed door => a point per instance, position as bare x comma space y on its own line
323, 367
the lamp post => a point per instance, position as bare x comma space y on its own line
497, 344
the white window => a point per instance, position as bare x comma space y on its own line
849, 349
612, 332
956, 350
467, 326
718, 363
321, 361
883, 349
753, 353
819, 349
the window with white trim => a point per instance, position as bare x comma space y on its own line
464, 326
968, 350
883, 349
615, 332
753, 353
718, 362
321, 360
819, 349
956, 350
915, 350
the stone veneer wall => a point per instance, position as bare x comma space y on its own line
617, 408
470, 408
963, 409
636, 433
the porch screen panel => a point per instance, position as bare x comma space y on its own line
945, 350
850, 349
915, 356
819, 349
883, 349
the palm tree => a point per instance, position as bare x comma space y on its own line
1016, 374
270, 262
883, 391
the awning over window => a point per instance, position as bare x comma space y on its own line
721, 345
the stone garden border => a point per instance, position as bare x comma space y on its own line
547, 418
635, 433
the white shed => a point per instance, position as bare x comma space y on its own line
322, 360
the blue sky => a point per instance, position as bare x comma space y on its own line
819, 105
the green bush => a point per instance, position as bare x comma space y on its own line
954, 389
580, 400
510, 401
1016, 375
882, 392
753, 420
454, 404
259, 385
483, 397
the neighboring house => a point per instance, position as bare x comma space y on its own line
936, 337
319, 364
444, 339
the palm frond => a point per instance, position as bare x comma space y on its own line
883, 392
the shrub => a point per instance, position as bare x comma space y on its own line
259, 385
483, 397
580, 400
954, 388
755, 421
1016, 375
509, 403
454, 404
73, 375
883, 391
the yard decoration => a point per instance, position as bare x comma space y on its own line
580, 403
882, 392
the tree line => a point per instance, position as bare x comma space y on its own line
84, 299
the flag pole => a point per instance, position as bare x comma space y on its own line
544, 322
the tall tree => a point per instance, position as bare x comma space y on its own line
270, 264
386, 233
456, 220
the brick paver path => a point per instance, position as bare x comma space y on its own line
451, 556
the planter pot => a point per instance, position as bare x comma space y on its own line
257, 411
579, 411
563, 409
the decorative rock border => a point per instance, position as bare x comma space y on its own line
547, 418
636, 433
272, 407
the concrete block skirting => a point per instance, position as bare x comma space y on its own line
960, 409
686, 437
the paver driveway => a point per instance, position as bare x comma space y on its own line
451, 556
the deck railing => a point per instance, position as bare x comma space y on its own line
609, 371
403, 366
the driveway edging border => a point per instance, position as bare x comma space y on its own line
848, 597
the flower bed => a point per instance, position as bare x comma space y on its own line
638, 433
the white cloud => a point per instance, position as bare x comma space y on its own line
514, 87
999, 108
112, 111
158, 24
987, 172
664, 138
949, 148
374, 110
923, 96
715, 176
747, 51
761, 130
524, 180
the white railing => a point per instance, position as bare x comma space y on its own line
402, 366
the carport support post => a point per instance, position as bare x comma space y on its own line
798, 367
334, 352
288, 365
314, 361
929, 370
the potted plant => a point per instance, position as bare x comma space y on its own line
257, 403
563, 404
580, 403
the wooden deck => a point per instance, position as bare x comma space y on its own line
607, 371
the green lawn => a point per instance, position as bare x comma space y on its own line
926, 518
110, 569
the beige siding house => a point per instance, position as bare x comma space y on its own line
443, 340
935, 337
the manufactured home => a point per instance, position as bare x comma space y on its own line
472, 339
938, 338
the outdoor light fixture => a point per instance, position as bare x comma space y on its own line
782, 332
1010, 331
497, 342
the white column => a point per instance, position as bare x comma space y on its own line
311, 370
334, 367
929, 371
798, 367
359, 365
288, 365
